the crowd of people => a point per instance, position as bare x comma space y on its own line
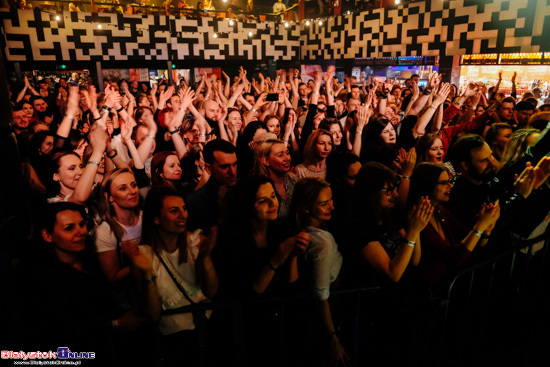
238, 190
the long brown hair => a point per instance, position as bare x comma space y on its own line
151, 209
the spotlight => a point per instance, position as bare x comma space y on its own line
397, 2
231, 22
58, 18
215, 35
99, 26
286, 25
307, 23
320, 22
250, 34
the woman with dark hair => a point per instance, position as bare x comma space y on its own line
40, 153
443, 252
376, 135
66, 262
75, 183
254, 261
193, 168
165, 169
333, 126
318, 147
173, 268
311, 208
389, 245
244, 146
248, 237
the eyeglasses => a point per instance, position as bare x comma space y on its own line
445, 183
390, 189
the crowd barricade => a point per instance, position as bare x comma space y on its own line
495, 308
475, 320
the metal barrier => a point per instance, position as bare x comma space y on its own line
504, 285
487, 302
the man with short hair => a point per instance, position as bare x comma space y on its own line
506, 110
522, 112
20, 122
211, 110
477, 184
41, 109
204, 204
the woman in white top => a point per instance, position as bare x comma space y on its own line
312, 207
121, 222
173, 254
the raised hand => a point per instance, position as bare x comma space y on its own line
73, 101
363, 115
442, 94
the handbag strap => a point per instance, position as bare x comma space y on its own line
180, 287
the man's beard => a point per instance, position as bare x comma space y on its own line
484, 176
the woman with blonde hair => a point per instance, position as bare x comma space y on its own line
273, 161
317, 149
121, 222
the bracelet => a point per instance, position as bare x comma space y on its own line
150, 281
477, 233
119, 109
203, 134
473, 107
114, 323
132, 101
93, 162
70, 117
150, 136
112, 156
383, 95
254, 109
182, 109
433, 108
97, 119
405, 177
410, 243
175, 131
427, 91
106, 108
413, 99
296, 77
485, 235
271, 266
285, 141
359, 132
333, 335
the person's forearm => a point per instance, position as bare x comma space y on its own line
146, 145
84, 186
207, 276
418, 105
